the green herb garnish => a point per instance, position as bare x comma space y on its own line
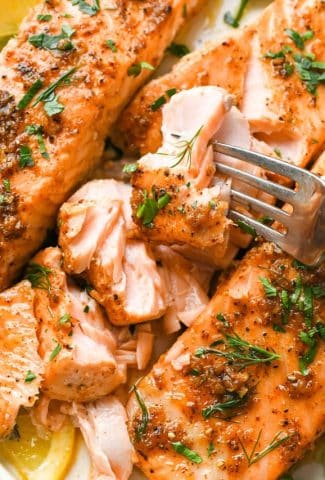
30, 376
182, 449
84, 7
30, 94
158, 103
233, 20
254, 456
141, 429
86, 309
112, 45
65, 319
38, 275
299, 39
130, 168
25, 157
54, 42
246, 228
38, 131
269, 289
179, 50
44, 17
149, 208
55, 352
211, 449
233, 403
52, 106
136, 69
6, 185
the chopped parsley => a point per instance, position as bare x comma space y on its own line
30, 376
149, 208
269, 289
112, 45
6, 185
86, 309
85, 7
65, 319
233, 20
136, 69
25, 157
246, 228
211, 449
179, 50
311, 73
162, 100
130, 168
48, 97
55, 352
171, 92
182, 449
299, 39
44, 17
30, 94
38, 131
38, 275
60, 42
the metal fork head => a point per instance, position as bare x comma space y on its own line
304, 237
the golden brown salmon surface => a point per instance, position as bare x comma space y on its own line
273, 69
62, 85
20, 364
241, 393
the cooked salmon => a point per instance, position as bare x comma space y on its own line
272, 68
134, 282
62, 85
176, 197
76, 343
229, 399
20, 364
103, 426
222, 63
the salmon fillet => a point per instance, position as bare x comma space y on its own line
20, 364
229, 399
271, 84
75, 341
78, 71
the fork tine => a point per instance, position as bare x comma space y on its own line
265, 208
268, 233
278, 191
269, 163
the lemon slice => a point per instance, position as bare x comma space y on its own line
36, 458
11, 17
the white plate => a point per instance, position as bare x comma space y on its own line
206, 26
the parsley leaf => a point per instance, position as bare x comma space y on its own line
136, 69
182, 449
149, 208
30, 376
179, 50
299, 39
84, 7
112, 45
269, 289
25, 157
54, 42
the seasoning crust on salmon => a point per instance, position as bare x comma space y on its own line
62, 85
229, 399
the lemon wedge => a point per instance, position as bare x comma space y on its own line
36, 458
11, 17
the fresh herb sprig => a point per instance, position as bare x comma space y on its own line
184, 150
141, 429
242, 353
61, 42
227, 407
254, 457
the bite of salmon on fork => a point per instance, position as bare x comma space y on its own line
229, 399
62, 85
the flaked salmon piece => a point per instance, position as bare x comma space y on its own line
79, 84
75, 341
94, 227
176, 197
229, 399
222, 63
20, 364
103, 426
270, 71
187, 296
46, 415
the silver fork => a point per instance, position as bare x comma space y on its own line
304, 238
